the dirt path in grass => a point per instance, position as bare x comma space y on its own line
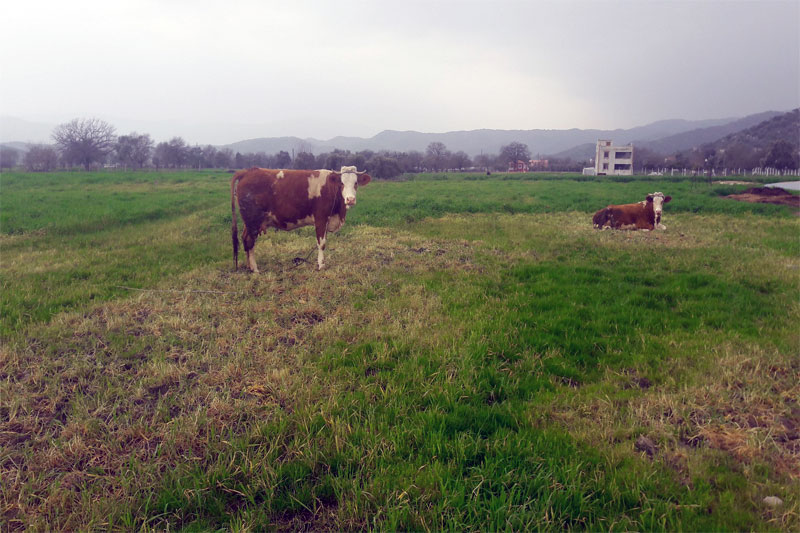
768, 195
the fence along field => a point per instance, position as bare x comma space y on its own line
474, 356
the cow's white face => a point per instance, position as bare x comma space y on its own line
658, 200
350, 182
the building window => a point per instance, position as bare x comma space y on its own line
605, 154
622, 155
605, 166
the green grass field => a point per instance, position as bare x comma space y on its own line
474, 357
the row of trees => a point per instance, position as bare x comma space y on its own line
91, 143
779, 154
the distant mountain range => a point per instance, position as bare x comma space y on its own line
474, 142
682, 140
665, 136
785, 126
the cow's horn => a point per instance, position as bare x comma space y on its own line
362, 172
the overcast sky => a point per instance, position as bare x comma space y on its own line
220, 71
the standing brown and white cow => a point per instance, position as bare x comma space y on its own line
643, 215
289, 199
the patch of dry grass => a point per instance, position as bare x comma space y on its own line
742, 401
98, 404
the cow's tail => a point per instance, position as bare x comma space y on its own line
234, 222
600, 218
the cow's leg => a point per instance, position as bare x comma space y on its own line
321, 240
249, 243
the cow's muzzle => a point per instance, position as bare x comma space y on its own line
350, 201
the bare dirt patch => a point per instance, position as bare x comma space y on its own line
767, 195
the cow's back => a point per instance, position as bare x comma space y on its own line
623, 215
639, 215
272, 197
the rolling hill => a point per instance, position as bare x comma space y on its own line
762, 135
474, 142
675, 142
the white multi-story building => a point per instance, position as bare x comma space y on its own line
613, 160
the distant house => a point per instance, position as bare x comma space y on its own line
519, 166
528, 166
613, 160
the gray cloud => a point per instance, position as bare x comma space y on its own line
221, 71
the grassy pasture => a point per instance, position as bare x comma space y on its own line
474, 357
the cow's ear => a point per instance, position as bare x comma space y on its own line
667, 199
363, 179
649, 198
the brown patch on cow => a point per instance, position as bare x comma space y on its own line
767, 195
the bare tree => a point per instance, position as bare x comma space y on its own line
8, 157
304, 160
41, 158
485, 161
436, 155
172, 154
384, 166
133, 150
282, 159
335, 160
460, 160
514, 152
411, 161
781, 154
223, 158
84, 141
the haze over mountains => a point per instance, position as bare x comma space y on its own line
561, 143
665, 136
680, 140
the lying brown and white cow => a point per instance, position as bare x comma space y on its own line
289, 199
642, 215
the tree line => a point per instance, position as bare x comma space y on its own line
780, 154
92, 143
